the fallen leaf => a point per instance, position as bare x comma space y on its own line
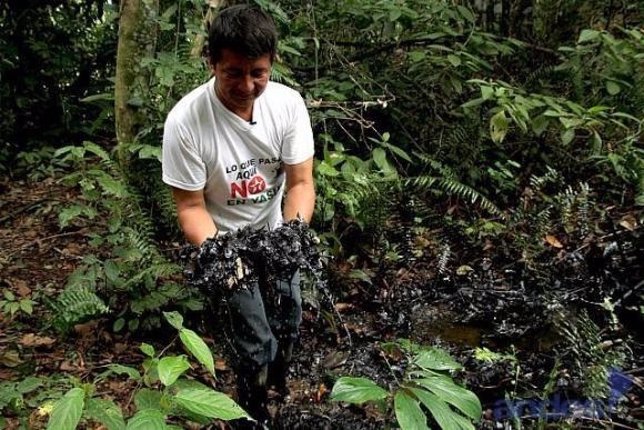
335, 359
553, 241
341, 307
22, 289
33, 340
319, 395
10, 359
67, 366
221, 365
629, 222
86, 329
464, 270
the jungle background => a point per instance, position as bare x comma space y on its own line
480, 179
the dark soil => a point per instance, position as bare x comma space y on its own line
497, 303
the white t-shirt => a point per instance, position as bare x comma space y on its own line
236, 163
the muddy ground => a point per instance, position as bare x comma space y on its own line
480, 300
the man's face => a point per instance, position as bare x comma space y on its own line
240, 80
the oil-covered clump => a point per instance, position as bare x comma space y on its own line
239, 259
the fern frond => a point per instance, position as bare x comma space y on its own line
75, 305
453, 187
541, 72
539, 182
583, 343
155, 271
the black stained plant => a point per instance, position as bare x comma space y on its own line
238, 259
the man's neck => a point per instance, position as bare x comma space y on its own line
244, 113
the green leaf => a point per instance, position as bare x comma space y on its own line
120, 369
473, 103
567, 136
323, 168
112, 270
198, 348
147, 398
148, 419
408, 412
596, 140
110, 185
96, 97
9, 295
170, 368
26, 306
148, 152
499, 124
487, 92
416, 56
455, 60
67, 411
13, 307
105, 412
147, 349
175, 319
396, 150
444, 416
68, 214
539, 124
118, 325
466, 13
436, 359
588, 35
613, 88
380, 158
209, 403
357, 390
459, 397
29, 384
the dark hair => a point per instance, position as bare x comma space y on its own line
245, 29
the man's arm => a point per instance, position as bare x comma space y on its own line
194, 219
300, 192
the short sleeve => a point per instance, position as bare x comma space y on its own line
182, 165
298, 139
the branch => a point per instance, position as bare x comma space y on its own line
406, 43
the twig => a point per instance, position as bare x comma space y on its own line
22, 209
608, 423
55, 236
67, 254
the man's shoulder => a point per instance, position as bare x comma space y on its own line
190, 104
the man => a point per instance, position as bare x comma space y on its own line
229, 147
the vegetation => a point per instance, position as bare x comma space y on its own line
483, 154
424, 382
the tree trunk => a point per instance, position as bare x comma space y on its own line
197, 50
136, 40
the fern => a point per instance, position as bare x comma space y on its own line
133, 278
446, 182
574, 207
582, 343
75, 305
155, 271
539, 182
541, 72
444, 257
453, 187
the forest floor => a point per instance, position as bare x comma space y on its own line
489, 303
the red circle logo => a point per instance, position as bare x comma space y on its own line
256, 185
